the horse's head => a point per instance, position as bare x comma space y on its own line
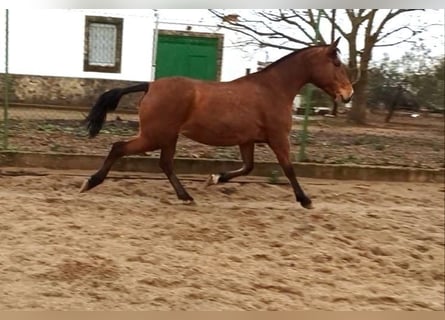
330, 74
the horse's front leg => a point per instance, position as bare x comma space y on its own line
281, 148
334, 108
247, 151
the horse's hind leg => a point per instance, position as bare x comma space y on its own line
246, 151
166, 164
281, 149
118, 150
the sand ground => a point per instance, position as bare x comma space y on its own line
130, 245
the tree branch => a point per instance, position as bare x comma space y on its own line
390, 16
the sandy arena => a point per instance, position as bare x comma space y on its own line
130, 245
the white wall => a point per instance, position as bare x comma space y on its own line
39, 42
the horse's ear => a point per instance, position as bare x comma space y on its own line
334, 44
333, 47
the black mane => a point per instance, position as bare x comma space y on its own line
297, 51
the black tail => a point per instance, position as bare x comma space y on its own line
107, 102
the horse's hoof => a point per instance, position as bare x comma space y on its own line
189, 202
307, 204
85, 186
213, 179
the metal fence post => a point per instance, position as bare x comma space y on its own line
155, 45
6, 83
308, 97
304, 131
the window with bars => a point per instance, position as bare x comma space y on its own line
103, 44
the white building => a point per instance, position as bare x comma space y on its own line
51, 42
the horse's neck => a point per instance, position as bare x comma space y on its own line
290, 75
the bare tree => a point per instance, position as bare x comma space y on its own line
363, 29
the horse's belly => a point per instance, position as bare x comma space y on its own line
221, 134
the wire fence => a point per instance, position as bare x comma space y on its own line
41, 113
46, 113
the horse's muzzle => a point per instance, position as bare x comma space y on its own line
345, 98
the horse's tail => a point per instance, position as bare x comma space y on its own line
107, 102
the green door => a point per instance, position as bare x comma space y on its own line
189, 56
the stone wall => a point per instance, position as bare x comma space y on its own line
64, 91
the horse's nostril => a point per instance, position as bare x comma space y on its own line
346, 100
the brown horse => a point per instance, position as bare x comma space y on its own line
252, 109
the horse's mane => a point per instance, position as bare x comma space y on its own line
294, 53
